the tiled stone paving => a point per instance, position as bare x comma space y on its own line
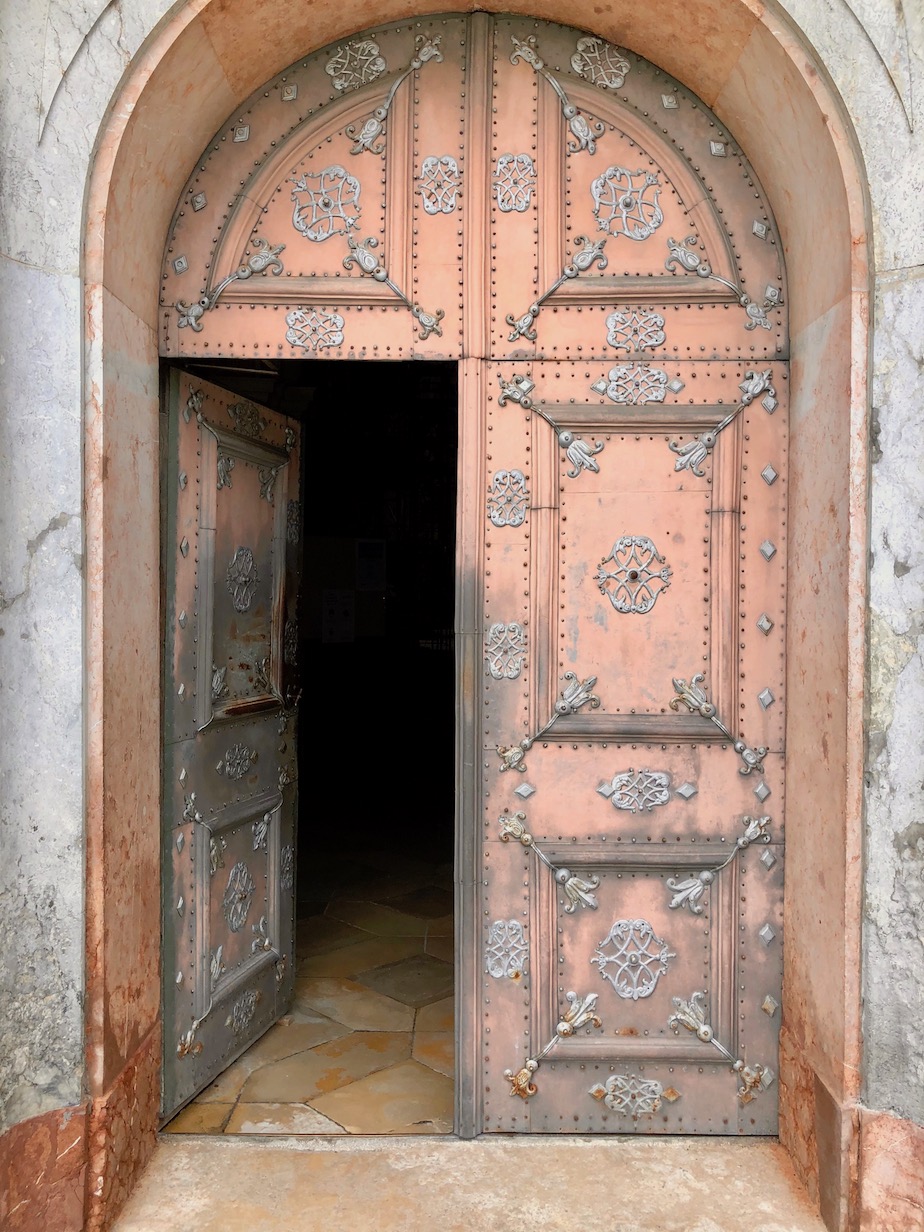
367, 1047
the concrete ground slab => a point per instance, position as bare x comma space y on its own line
502, 1184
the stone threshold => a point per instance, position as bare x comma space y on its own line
500, 1184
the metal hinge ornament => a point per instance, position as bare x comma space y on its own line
576, 693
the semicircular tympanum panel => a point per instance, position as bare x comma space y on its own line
591, 244
439, 187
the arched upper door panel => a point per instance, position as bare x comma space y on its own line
469, 185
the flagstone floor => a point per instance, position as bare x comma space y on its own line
367, 1047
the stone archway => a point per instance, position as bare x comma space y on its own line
762, 82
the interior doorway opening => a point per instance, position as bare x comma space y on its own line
368, 1045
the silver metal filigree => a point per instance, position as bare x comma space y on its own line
635, 330
238, 896
694, 698
242, 579
188, 1045
325, 203
314, 330
238, 760
633, 958
355, 64
505, 650
576, 694
633, 384
600, 63
583, 134
581, 1012
691, 1015
688, 891
362, 256
217, 848
290, 643
692, 455
264, 258
224, 466
216, 967
219, 688
684, 255
581, 261
247, 419
506, 954
578, 452
439, 183
629, 1095
633, 582
242, 1011
260, 830
261, 941
577, 890
293, 521
267, 477
514, 181
287, 867
365, 136
508, 499
626, 202
634, 790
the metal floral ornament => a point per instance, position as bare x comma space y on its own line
692, 696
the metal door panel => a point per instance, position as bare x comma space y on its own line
229, 791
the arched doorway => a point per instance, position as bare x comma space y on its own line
193, 71
589, 243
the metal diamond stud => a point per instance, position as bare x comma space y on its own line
687, 790
671, 1095
767, 934
183, 775
669, 102
766, 698
769, 475
773, 295
179, 978
180, 842
599, 387
199, 201
606, 790
767, 1078
768, 550
289, 92
676, 385
767, 859
181, 619
524, 791
761, 791
180, 904
184, 545
764, 623
242, 132
760, 229
181, 692
769, 403
717, 149
770, 1006
180, 265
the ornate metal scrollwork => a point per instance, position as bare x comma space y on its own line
692, 455
626, 202
219, 688
577, 890
581, 261
243, 1010
238, 760
577, 451
692, 696
505, 650
260, 830
629, 1095
355, 64
600, 63
238, 896
635, 330
633, 385
242, 579
634, 790
314, 330
360, 252
581, 1012
217, 848
683, 254
320, 209
632, 585
574, 695
287, 867
632, 958
514, 181
508, 499
365, 136
583, 135
439, 184
247, 420
688, 891
506, 953
262, 259
224, 466
691, 1015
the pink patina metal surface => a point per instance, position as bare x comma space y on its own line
587, 238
